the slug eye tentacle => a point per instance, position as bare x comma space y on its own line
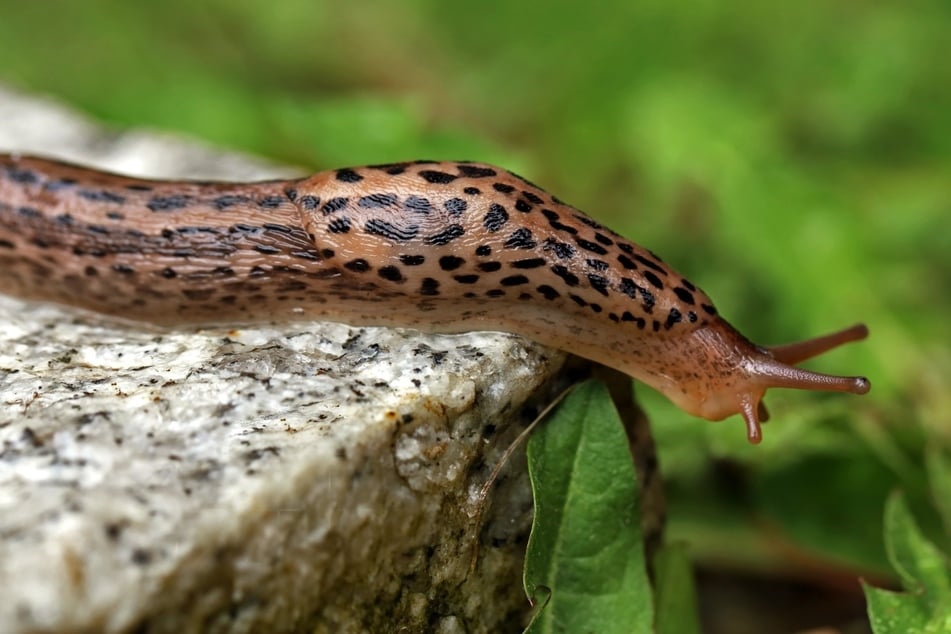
776, 369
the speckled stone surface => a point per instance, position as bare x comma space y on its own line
309, 477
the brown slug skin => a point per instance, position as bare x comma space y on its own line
445, 247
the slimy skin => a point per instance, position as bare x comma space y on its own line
440, 247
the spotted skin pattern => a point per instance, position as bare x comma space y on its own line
436, 246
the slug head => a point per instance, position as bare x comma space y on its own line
736, 373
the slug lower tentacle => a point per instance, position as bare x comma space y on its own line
446, 247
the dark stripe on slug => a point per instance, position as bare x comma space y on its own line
684, 295
374, 201
548, 292
597, 265
599, 283
223, 202
472, 191
561, 271
594, 247
266, 249
503, 188
591, 223
271, 202
169, 203
627, 262
650, 263
489, 267
513, 280
529, 263
466, 279
446, 236
418, 204
495, 218
334, 205
653, 279
390, 231
103, 195
532, 197
603, 239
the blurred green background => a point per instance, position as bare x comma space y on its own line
793, 159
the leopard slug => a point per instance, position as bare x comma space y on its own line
436, 246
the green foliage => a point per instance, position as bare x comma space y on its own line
925, 575
585, 568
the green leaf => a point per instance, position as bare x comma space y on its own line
585, 551
938, 464
676, 594
926, 605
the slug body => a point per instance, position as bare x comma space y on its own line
445, 247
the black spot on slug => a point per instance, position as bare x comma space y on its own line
684, 295
339, 225
489, 267
357, 266
503, 188
673, 317
495, 218
456, 206
472, 191
520, 239
483, 250
450, 262
437, 178
594, 247
599, 283
466, 279
653, 279
473, 171
429, 286
348, 176
412, 260
513, 280
309, 202
522, 206
548, 292
562, 250
390, 273
418, 204
532, 197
